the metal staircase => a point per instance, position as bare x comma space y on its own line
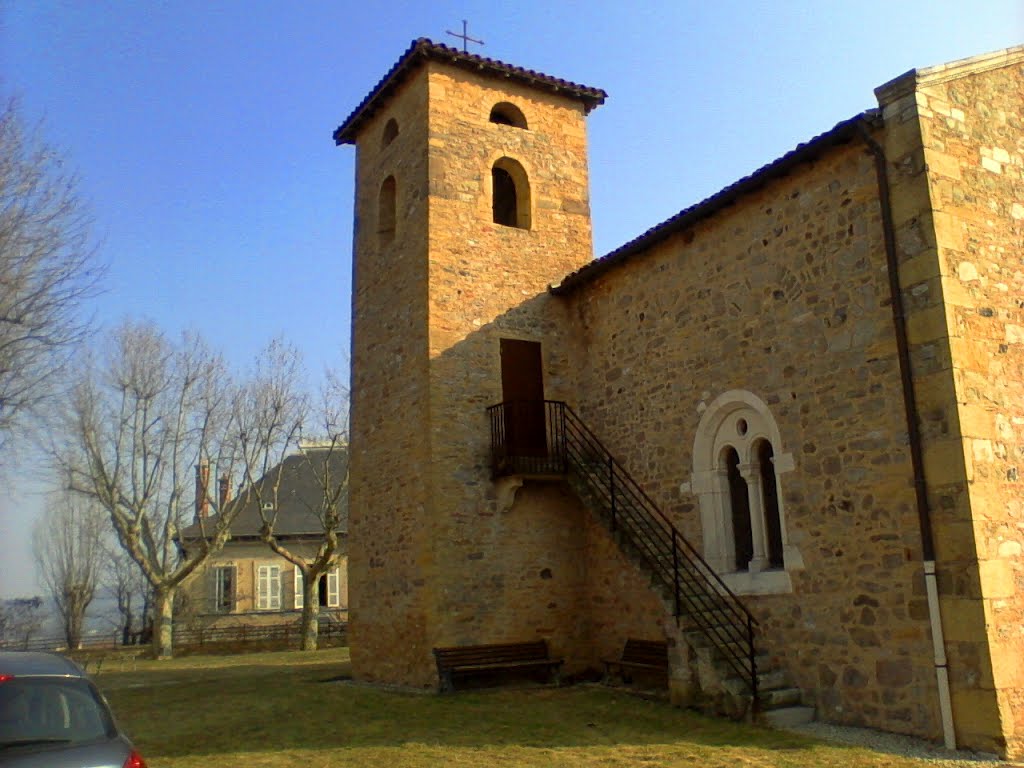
547, 439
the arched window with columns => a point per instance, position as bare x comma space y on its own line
738, 460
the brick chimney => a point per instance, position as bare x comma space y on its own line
224, 492
202, 484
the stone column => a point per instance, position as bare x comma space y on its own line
759, 532
721, 556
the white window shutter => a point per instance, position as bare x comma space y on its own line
233, 589
263, 588
333, 600
298, 587
275, 588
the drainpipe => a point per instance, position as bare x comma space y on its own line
924, 515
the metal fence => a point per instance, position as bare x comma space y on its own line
331, 632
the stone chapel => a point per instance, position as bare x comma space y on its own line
782, 431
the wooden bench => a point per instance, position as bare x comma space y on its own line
646, 655
473, 660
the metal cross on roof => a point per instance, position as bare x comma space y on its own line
464, 37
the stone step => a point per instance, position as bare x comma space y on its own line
772, 679
788, 717
699, 641
767, 681
779, 698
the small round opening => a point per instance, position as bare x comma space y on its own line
741, 427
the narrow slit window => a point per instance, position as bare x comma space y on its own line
386, 211
390, 132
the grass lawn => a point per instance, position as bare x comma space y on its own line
288, 709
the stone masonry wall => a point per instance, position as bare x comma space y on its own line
509, 562
784, 294
970, 115
389, 523
620, 602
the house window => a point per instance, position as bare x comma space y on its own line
508, 114
268, 588
386, 211
224, 589
328, 593
390, 132
510, 194
332, 593
737, 464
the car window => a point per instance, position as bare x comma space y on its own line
57, 708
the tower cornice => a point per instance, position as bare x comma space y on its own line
423, 50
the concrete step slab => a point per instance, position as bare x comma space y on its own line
788, 717
780, 698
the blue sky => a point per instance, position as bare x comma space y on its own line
202, 131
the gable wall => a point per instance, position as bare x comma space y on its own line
784, 294
972, 134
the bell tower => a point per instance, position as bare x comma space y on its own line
471, 199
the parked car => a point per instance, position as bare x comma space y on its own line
52, 716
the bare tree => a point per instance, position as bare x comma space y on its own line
47, 269
21, 618
324, 463
68, 543
140, 419
125, 582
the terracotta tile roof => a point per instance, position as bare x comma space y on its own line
423, 50
841, 134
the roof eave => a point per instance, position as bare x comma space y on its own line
424, 49
842, 133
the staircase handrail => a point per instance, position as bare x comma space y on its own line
695, 572
649, 502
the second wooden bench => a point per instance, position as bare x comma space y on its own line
647, 655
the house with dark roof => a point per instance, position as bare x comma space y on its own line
246, 582
781, 432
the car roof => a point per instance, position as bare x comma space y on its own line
37, 663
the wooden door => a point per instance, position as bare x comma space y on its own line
522, 389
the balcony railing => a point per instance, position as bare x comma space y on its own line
528, 438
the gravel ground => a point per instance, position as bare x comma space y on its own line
894, 744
